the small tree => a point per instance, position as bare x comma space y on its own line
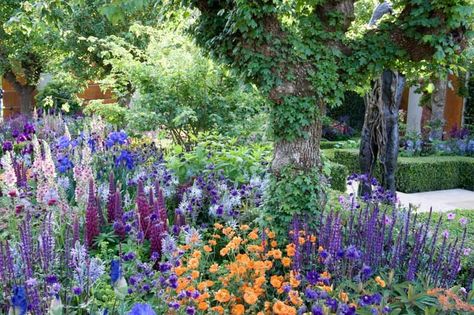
27, 44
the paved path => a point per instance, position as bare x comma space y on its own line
440, 200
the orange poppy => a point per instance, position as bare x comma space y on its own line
250, 297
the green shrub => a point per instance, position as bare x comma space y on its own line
112, 113
338, 175
415, 174
61, 94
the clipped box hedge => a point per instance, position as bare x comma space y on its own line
416, 174
339, 174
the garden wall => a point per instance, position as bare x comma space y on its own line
11, 98
417, 174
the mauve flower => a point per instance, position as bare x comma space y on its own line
466, 251
451, 216
190, 310
445, 233
463, 221
142, 309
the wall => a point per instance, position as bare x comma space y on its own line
11, 99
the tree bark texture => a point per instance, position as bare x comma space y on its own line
302, 153
380, 137
25, 91
438, 101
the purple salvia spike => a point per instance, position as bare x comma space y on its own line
151, 199
144, 210
111, 198
433, 243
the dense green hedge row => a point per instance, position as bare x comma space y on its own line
339, 174
415, 174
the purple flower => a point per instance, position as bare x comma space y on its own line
451, 216
77, 290
190, 310
317, 310
7, 146
463, 221
445, 233
311, 294
466, 251
142, 309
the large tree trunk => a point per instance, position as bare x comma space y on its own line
26, 98
25, 91
438, 102
302, 153
380, 137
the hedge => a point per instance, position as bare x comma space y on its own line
416, 174
339, 174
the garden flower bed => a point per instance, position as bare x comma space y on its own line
94, 221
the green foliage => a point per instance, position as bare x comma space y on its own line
293, 193
338, 174
61, 94
178, 88
415, 174
237, 162
112, 113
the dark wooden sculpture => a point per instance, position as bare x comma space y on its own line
380, 137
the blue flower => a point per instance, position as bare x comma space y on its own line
115, 270
125, 157
116, 137
64, 164
317, 310
63, 142
142, 309
19, 301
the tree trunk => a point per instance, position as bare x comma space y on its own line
380, 136
26, 99
438, 102
302, 153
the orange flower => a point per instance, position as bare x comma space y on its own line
290, 250
301, 240
313, 239
253, 235
202, 306
273, 244
238, 309
294, 298
219, 309
197, 254
380, 281
222, 296
218, 226
216, 236
227, 231
224, 251
195, 274
207, 248
277, 254
180, 270
193, 263
214, 268
250, 297
276, 281
270, 234
244, 227
343, 297
279, 308
212, 242
286, 261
